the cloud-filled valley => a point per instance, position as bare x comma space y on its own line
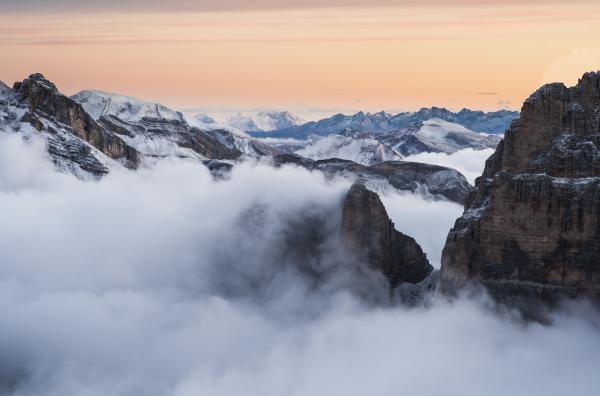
166, 282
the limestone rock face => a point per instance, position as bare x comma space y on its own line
44, 102
532, 225
367, 229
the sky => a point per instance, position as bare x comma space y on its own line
308, 56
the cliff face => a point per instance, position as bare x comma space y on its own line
45, 103
367, 229
532, 225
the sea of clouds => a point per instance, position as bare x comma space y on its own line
167, 282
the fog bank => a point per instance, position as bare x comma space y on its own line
469, 162
165, 282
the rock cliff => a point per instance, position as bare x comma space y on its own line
531, 228
369, 233
47, 110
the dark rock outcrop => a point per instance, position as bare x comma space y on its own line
48, 109
531, 229
367, 229
219, 169
402, 175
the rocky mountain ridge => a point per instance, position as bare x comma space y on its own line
382, 122
262, 121
89, 148
91, 145
364, 151
531, 227
76, 142
100, 104
432, 181
368, 231
159, 131
431, 136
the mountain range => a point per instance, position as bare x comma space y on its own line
530, 226
93, 132
367, 142
262, 121
380, 123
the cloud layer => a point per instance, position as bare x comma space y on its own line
469, 162
165, 282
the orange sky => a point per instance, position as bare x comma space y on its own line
394, 57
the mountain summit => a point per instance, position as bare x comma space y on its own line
531, 226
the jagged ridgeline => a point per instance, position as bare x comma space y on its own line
531, 228
94, 132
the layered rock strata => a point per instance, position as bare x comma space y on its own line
531, 228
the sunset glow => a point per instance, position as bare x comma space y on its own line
386, 56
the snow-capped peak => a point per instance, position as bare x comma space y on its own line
126, 108
263, 121
273, 120
440, 128
362, 151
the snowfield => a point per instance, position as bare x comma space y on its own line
99, 103
362, 151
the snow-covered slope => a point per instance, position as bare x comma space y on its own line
157, 131
273, 120
210, 123
88, 147
246, 145
99, 103
362, 151
436, 135
263, 121
494, 122
75, 142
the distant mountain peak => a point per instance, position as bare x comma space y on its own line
362, 151
382, 122
262, 121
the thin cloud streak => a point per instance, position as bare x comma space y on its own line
395, 57
73, 6
119, 29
